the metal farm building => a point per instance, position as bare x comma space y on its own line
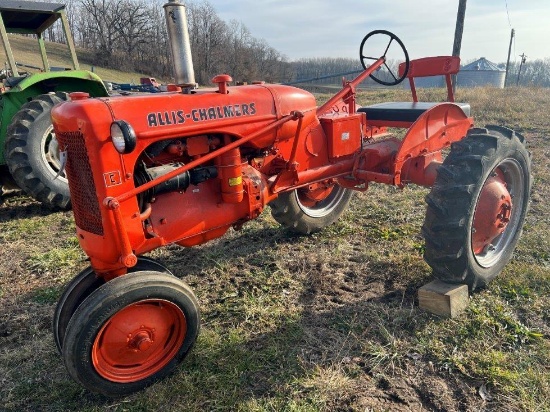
482, 72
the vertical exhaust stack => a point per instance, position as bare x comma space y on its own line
178, 35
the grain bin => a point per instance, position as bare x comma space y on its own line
482, 72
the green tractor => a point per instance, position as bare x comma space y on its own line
29, 153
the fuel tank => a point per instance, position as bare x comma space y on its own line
239, 112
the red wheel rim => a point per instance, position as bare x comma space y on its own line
319, 199
314, 194
492, 213
139, 340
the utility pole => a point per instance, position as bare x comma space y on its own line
523, 58
458, 33
508, 61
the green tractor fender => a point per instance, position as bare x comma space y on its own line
64, 80
42, 83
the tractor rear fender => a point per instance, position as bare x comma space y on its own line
63, 81
433, 131
42, 83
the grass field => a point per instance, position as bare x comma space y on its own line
25, 50
328, 322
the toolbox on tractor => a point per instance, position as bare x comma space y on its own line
184, 167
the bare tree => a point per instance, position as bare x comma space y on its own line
131, 35
102, 28
534, 73
134, 25
208, 35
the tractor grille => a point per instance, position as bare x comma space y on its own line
83, 192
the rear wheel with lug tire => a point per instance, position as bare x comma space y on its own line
80, 287
477, 206
310, 209
32, 152
131, 332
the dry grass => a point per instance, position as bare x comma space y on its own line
25, 50
321, 323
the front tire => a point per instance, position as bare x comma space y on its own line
308, 210
477, 206
32, 153
80, 287
131, 332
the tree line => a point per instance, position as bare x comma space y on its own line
131, 35
533, 73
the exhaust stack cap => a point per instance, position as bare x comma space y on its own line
180, 45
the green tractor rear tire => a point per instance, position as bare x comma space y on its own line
32, 154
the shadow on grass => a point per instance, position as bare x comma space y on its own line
329, 354
301, 361
14, 207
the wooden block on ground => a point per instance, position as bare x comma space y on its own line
443, 299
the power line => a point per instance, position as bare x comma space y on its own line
510, 24
508, 13
515, 54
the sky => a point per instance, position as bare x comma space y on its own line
335, 28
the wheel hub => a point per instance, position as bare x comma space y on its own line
51, 154
315, 193
141, 341
319, 199
492, 213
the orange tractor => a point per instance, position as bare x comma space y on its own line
184, 167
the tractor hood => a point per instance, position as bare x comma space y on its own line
239, 112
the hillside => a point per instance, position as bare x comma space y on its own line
25, 50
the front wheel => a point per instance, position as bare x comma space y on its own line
131, 332
477, 207
80, 287
310, 209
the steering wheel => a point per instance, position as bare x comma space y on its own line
392, 38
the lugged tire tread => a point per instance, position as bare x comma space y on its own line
17, 156
451, 201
